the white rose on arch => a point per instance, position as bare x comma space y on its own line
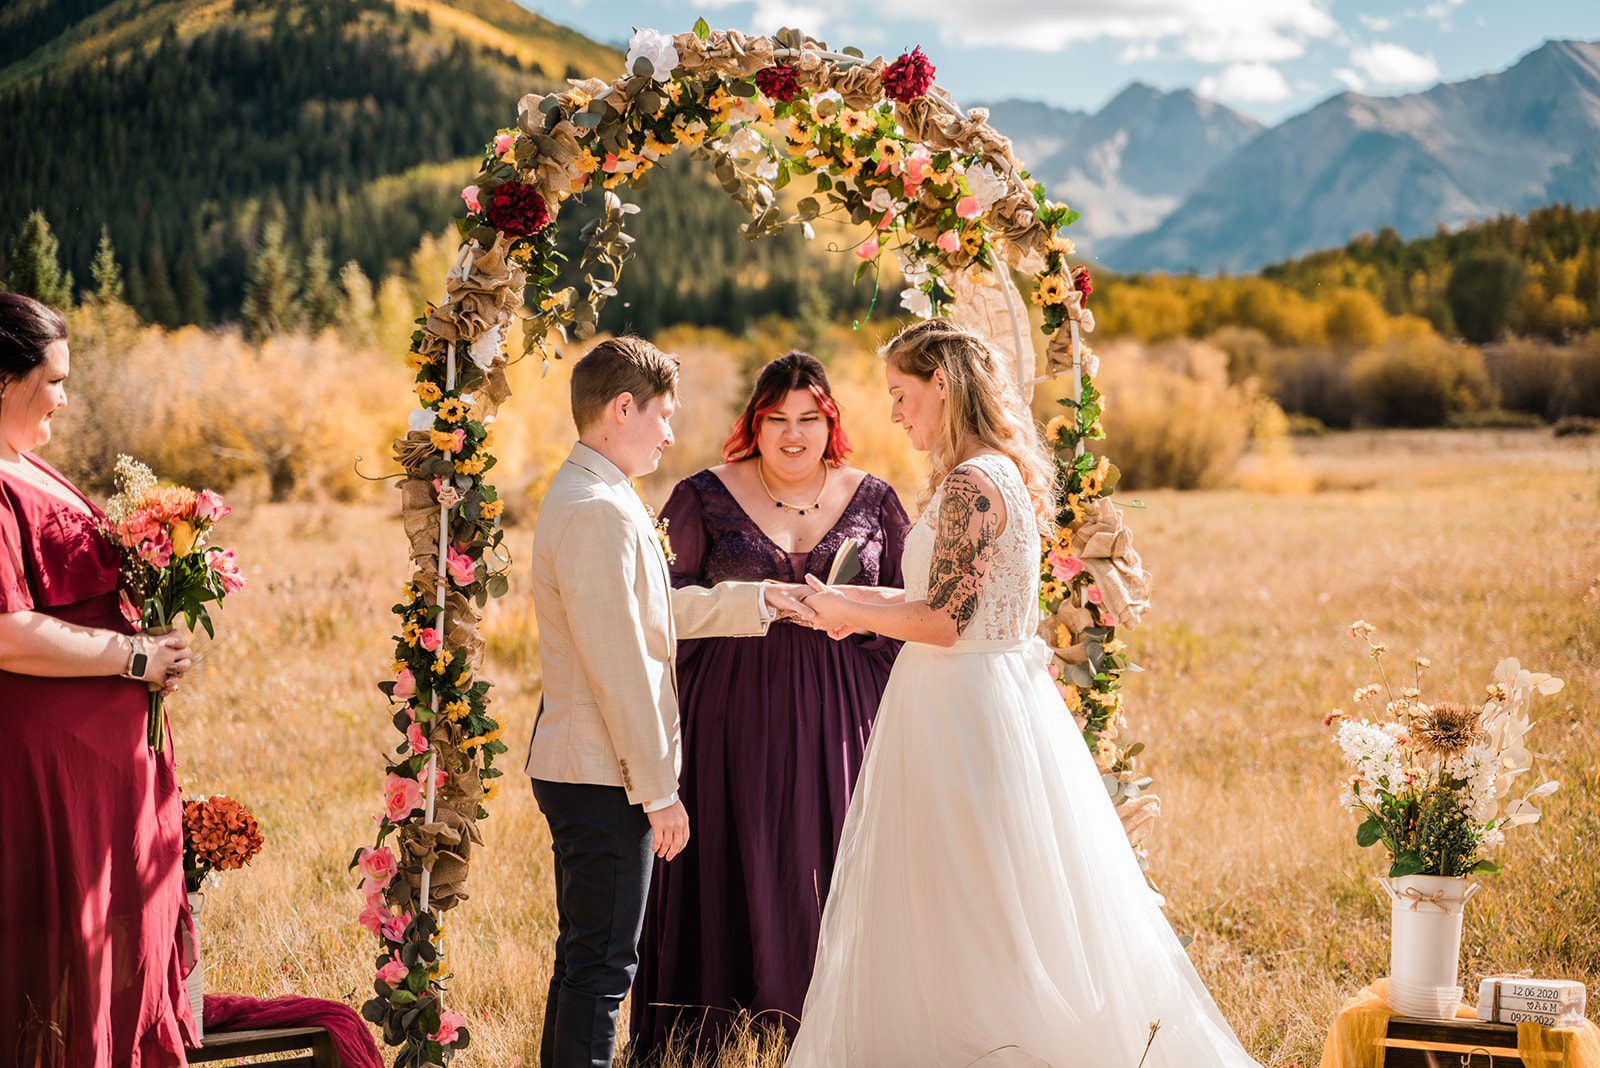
657, 48
987, 184
747, 143
487, 347
917, 302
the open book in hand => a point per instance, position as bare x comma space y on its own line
846, 563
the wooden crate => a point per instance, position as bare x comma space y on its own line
314, 1045
1414, 1043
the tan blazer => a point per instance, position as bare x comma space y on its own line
609, 621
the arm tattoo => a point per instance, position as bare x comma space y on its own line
968, 526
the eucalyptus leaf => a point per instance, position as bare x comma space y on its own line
743, 89
588, 120
702, 30
643, 68
852, 50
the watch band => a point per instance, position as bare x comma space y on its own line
138, 660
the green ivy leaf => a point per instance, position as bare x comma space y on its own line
702, 29
1369, 832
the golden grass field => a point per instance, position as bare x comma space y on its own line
1463, 546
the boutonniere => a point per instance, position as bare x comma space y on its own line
659, 524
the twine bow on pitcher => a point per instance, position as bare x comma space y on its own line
1438, 899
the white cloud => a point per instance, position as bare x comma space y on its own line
1246, 82
1377, 23
1352, 81
1387, 63
1139, 52
1441, 10
1238, 31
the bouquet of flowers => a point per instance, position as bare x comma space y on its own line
219, 834
167, 570
1433, 781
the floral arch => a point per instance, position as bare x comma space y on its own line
885, 149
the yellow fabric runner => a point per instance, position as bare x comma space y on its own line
1363, 1021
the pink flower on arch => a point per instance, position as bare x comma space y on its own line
417, 738
968, 208
405, 685
372, 915
1066, 567
394, 927
378, 867
868, 249
949, 241
917, 166
429, 639
393, 972
462, 569
1093, 595
470, 196
504, 145
1107, 619
402, 796
450, 1025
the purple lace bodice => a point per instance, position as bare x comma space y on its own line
715, 540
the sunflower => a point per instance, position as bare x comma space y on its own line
972, 242
585, 162
451, 409
492, 509
1446, 729
890, 150
428, 392
1052, 290
853, 123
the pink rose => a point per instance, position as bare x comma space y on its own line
208, 506
372, 917
968, 208
378, 866
428, 638
869, 249
1107, 619
417, 739
917, 166
450, 1025
460, 566
470, 196
950, 241
402, 796
394, 927
394, 972
1093, 596
157, 550
221, 562
1065, 568
405, 685
887, 220
461, 439
1054, 669
504, 144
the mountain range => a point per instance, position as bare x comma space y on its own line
1171, 182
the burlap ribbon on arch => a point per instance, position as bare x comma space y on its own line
1105, 546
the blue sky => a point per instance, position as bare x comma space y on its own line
1267, 58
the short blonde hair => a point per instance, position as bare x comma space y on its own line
620, 365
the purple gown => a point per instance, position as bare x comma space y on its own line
774, 729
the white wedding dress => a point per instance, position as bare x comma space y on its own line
986, 908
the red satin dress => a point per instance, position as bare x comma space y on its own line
91, 848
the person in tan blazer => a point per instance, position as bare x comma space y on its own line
604, 758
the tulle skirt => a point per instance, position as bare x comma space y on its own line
986, 908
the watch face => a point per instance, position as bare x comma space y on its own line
137, 665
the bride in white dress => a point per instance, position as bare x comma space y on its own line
986, 908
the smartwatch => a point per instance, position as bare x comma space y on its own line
138, 661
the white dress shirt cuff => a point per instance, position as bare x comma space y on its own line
666, 802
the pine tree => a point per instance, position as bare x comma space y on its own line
319, 299
270, 290
192, 296
161, 301
107, 275
35, 267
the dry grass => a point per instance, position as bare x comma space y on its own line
1464, 546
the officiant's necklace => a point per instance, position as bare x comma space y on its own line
800, 509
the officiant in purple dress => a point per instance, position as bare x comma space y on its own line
774, 728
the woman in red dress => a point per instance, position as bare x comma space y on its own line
91, 884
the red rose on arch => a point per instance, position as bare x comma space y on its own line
517, 209
908, 77
780, 82
1081, 281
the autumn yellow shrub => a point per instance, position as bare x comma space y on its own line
1419, 381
